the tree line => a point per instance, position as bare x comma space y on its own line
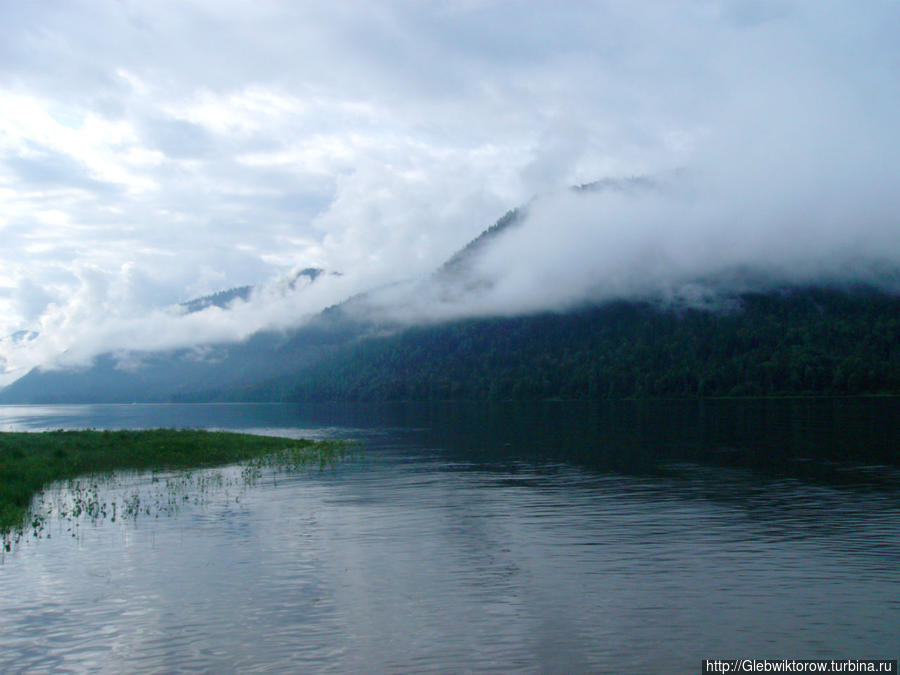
810, 341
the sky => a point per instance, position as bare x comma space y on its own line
152, 152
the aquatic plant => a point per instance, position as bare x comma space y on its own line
31, 461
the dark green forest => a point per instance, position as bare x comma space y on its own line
802, 342
810, 341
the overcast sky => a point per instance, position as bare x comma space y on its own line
151, 152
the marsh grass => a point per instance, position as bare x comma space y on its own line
83, 461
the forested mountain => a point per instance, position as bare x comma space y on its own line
774, 340
224, 299
460, 261
797, 341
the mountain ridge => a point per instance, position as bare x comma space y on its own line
350, 351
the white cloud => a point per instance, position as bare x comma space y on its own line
150, 152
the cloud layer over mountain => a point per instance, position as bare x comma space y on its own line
152, 152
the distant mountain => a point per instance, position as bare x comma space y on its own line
224, 299
755, 338
194, 373
460, 265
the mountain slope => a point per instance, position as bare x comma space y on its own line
774, 340
224, 299
802, 341
197, 374
194, 374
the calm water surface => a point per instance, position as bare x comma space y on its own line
532, 538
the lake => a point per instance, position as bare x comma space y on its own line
546, 537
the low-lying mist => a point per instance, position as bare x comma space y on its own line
687, 238
741, 145
693, 237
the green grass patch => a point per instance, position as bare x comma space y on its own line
30, 461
